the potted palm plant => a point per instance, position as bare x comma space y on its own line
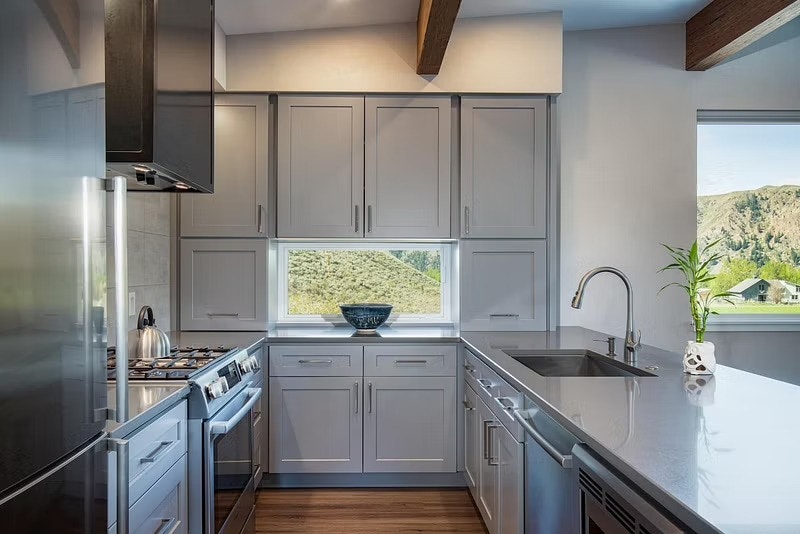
695, 263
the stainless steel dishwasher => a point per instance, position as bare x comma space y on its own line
551, 499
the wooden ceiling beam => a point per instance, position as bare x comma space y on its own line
64, 19
725, 27
435, 21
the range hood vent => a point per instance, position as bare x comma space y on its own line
160, 94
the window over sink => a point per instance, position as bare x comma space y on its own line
315, 278
748, 200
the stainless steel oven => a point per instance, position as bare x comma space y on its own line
228, 464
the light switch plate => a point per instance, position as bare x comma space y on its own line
131, 303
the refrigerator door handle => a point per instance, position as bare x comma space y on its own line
120, 446
121, 294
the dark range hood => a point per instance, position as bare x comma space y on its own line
160, 93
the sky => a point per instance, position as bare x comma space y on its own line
739, 157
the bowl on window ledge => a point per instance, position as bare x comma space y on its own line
365, 318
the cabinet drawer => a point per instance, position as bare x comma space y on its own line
163, 508
155, 448
316, 360
410, 360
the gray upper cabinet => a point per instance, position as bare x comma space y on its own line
238, 207
315, 424
504, 167
410, 424
320, 166
503, 284
223, 284
407, 167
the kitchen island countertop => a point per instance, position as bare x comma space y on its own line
146, 401
719, 452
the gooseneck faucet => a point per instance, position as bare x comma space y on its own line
632, 338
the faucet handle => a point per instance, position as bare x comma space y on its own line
611, 341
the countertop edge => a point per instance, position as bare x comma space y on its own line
122, 430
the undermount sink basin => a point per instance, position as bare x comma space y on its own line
573, 363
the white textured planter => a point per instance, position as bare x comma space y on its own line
699, 359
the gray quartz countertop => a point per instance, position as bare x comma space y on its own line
146, 401
242, 340
717, 451
347, 334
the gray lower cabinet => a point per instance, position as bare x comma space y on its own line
504, 167
407, 166
503, 284
238, 207
509, 455
315, 424
488, 480
320, 166
259, 418
410, 424
223, 284
472, 439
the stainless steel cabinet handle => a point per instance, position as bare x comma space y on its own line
168, 526
503, 316
485, 383
417, 362
469, 408
492, 459
486, 444
153, 456
466, 220
222, 314
369, 393
356, 386
356, 218
260, 218
315, 362
565, 460
369, 219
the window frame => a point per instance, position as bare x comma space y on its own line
446, 249
749, 322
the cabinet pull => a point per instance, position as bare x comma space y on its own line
356, 386
485, 383
260, 218
505, 402
469, 408
222, 314
369, 393
466, 220
312, 362
470, 368
369, 219
492, 459
503, 316
486, 443
257, 419
153, 456
356, 218
168, 526
413, 362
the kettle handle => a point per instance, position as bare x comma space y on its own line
148, 321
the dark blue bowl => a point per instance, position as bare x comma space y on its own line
366, 317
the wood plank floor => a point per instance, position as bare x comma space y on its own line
364, 511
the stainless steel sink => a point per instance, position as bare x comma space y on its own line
573, 363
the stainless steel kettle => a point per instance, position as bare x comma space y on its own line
153, 342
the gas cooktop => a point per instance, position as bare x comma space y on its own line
181, 364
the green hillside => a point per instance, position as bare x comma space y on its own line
321, 280
760, 226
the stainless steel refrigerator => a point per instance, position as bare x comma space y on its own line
53, 310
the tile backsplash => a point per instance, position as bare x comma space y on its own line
148, 258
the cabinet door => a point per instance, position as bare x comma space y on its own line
410, 425
510, 456
472, 439
503, 285
238, 207
488, 476
407, 167
164, 507
320, 166
410, 360
504, 167
315, 424
223, 284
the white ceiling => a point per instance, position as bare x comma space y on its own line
257, 16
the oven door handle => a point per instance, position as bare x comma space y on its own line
223, 427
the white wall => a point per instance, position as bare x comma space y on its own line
629, 162
492, 54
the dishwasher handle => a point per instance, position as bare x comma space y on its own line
564, 460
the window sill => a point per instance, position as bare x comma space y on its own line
754, 323
344, 324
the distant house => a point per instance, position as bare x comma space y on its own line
757, 290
